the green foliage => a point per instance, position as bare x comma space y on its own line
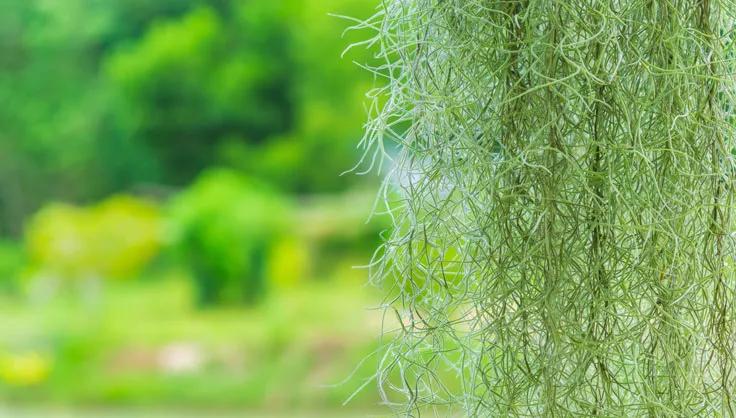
57, 141
223, 227
116, 238
195, 81
329, 91
12, 261
140, 97
23, 369
112, 97
575, 160
340, 230
327, 112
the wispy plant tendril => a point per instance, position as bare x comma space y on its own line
563, 206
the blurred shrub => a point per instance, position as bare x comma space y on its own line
340, 230
127, 234
224, 227
114, 239
12, 260
24, 369
288, 262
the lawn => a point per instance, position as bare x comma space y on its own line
142, 346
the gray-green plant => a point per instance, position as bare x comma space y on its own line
563, 233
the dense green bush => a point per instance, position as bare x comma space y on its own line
223, 227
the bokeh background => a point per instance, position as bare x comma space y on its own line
175, 235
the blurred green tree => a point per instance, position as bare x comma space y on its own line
108, 97
56, 142
327, 93
192, 82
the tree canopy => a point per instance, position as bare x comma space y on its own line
104, 97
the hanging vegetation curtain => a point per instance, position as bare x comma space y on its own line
563, 201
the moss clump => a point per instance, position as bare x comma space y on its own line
575, 157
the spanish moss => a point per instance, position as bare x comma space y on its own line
562, 198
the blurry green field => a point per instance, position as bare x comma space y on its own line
186, 154
142, 344
97, 413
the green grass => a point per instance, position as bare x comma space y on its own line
285, 355
133, 413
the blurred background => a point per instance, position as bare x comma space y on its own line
175, 235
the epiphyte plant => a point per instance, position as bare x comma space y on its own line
562, 198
